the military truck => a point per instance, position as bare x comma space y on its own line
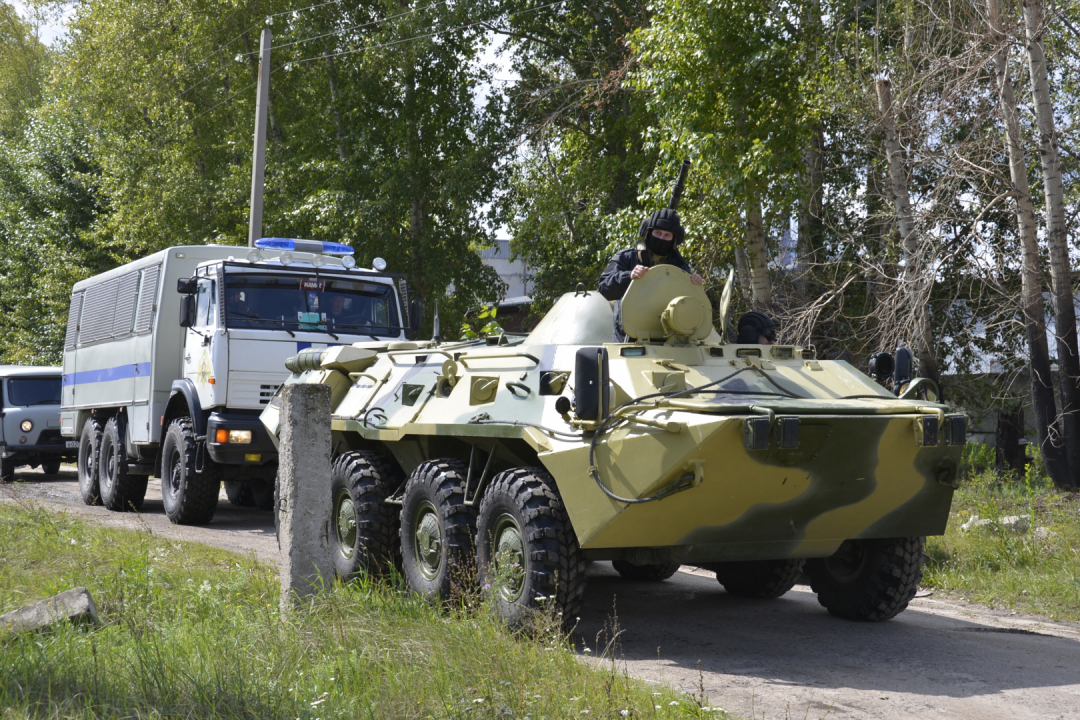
531, 456
169, 360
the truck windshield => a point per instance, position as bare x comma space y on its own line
299, 302
22, 392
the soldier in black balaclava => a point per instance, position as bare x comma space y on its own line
659, 241
756, 328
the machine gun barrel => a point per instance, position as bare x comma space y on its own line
676, 194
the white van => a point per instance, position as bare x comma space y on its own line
169, 360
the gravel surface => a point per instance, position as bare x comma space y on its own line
784, 658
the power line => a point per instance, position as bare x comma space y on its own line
351, 27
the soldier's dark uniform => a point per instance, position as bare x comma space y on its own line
616, 278
650, 251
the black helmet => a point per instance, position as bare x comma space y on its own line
753, 324
666, 219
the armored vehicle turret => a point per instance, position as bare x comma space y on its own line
526, 458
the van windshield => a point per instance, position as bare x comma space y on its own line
23, 392
300, 302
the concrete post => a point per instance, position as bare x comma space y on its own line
304, 502
258, 157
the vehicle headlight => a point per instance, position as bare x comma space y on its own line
27, 426
242, 437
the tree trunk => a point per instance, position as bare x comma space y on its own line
743, 275
760, 287
1060, 269
1008, 452
811, 224
1042, 389
339, 126
915, 277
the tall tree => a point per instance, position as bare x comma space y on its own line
24, 64
1042, 390
1060, 267
914, 266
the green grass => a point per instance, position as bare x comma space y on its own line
1037, 571
194, 632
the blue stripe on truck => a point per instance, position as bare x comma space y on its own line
120, 372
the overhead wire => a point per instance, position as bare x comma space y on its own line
324, 56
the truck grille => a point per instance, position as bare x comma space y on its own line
266, 392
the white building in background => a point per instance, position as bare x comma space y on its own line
515, 273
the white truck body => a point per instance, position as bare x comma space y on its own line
126, 355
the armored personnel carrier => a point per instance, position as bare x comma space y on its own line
524, 459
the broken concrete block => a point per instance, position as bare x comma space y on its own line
73, 605
1016, 523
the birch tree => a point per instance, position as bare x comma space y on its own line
1060, 267
1042, 390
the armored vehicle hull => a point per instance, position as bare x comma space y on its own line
530, 457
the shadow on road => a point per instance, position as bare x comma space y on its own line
793, 640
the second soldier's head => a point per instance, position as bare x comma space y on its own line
661, 232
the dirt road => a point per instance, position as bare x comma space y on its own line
783, 658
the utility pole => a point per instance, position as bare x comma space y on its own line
258, 158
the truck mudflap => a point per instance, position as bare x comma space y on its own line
235, 425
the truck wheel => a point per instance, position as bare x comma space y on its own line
52, 467
7, 469
652, 572
437, 529
262, 494
869, 579
119, 490
364, 528
190, 498
526, 548
765, 579
89, 446
239, 493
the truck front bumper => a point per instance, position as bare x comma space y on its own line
259, 451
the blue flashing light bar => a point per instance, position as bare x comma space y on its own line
319, 247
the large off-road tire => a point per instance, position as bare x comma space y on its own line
190, 498
527, 552
7, 469
120, 490
262, 493
869, 579
437, 530
89, 447
765, 579
51, 467
651, 572
364, 529
239, 493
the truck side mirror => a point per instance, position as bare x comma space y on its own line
187, 311
187, 286
591, 392
416, 311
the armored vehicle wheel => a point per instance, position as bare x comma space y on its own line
7, 469
765, 579
437, 529
89, 445
239, 493
869, 579
51, 467
190, 498
364, 528
652, 572
527, 550
119, 489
